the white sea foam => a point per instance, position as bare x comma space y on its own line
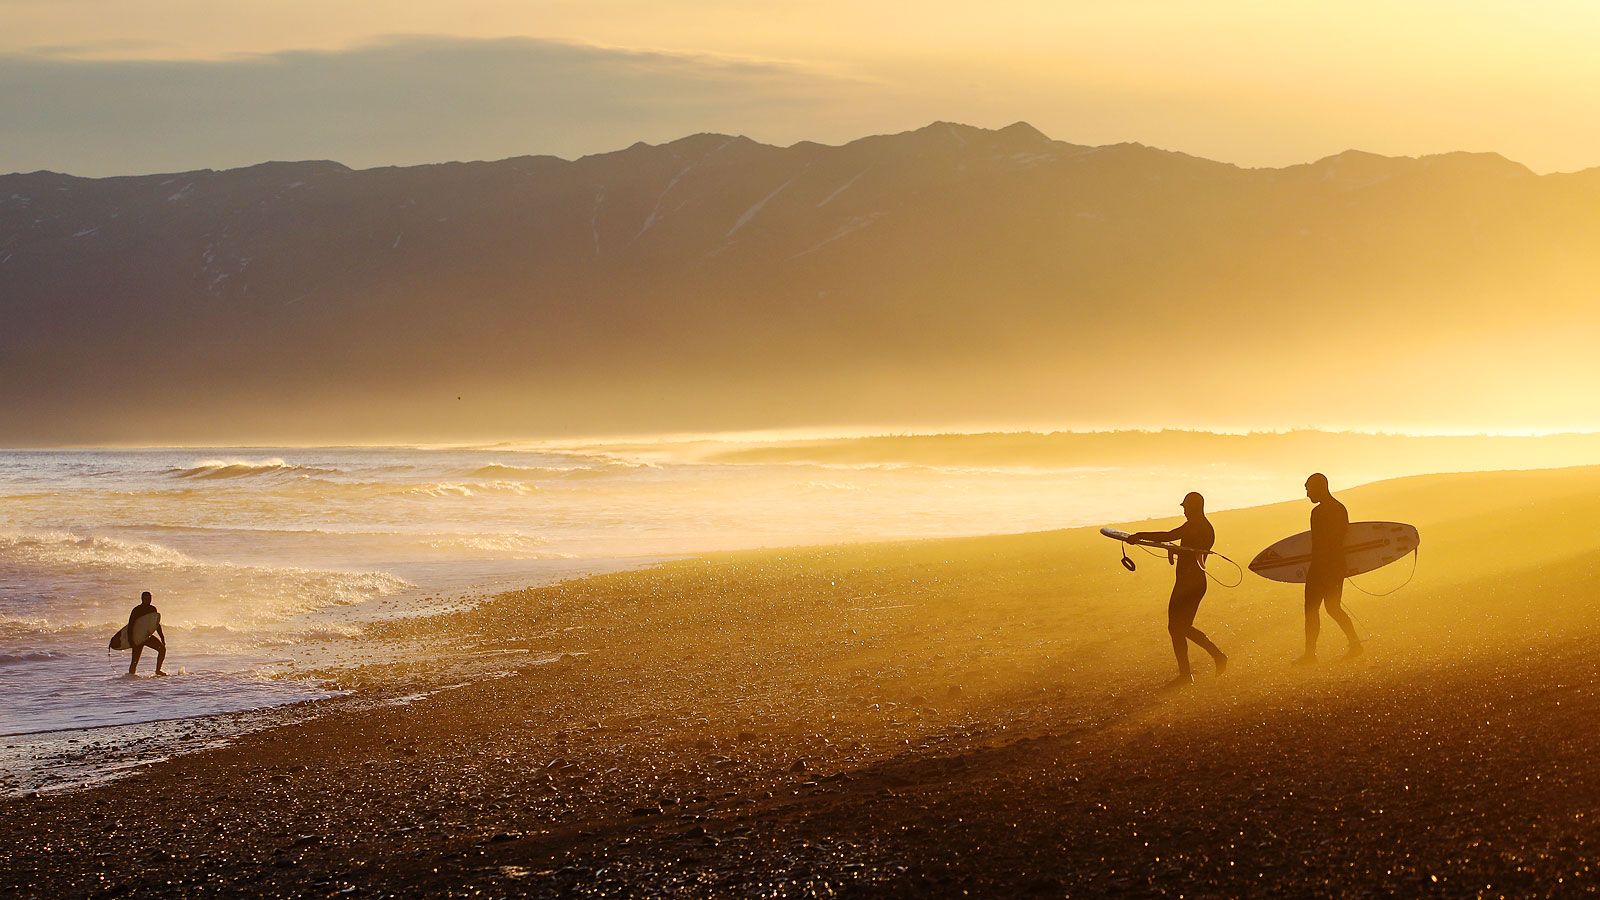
472, 489
521, 546
504, 471
246, 468
257, 557
71, 551
58, 580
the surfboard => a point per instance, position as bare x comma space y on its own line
1367, 546
142, 628
1117, 534
1168, 546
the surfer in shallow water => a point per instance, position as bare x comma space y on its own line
1325, 576
1188, 586
156, 640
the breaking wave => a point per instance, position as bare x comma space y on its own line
532, 473
471, 489
59, 549
55, 580
207, 469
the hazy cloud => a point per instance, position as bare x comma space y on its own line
403, 100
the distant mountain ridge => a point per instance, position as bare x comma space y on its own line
942, 274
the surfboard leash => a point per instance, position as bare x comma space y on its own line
1236, 567
1410, 575
1128, 563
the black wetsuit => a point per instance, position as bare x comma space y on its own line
1188, 589
1330, 522
138, 613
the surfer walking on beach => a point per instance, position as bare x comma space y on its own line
1196, 537
1325, 576
157, 638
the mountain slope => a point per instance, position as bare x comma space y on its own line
950, 274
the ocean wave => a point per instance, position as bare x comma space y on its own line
27, 656
509, 472
207, 469
469, 489
916, 468
305, 486
521, 546
26, 625
58, 580
43, 549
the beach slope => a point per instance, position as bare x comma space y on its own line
979, 714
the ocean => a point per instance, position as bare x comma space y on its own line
260, 559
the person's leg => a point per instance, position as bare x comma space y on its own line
161, 652
1197, 594
1333, 599
1203, 642
133, 666
1313, 618
1180, 618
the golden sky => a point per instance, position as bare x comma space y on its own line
1254, 83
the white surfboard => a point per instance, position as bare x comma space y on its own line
1117, 534
137, 633
1367, 546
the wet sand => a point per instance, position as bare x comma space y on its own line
932, 717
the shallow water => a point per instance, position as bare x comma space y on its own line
254, 555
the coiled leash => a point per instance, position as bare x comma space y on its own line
1172, 559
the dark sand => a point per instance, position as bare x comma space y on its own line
979, 715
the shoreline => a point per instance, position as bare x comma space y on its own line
924, 717
63, 759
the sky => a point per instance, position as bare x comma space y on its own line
105, 87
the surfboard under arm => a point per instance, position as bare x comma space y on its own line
1368, 546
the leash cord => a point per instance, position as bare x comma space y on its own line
1203, 555
1413, 573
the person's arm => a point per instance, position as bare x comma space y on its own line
1173, 535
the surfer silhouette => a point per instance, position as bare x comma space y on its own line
1188, 586
156, 640
1325, 576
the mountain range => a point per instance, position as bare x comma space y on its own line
947, 275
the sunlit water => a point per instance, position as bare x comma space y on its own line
254, 554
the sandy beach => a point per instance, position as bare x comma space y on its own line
930, 717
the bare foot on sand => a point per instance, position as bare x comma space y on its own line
1310, 659
1182, 681
1221, 659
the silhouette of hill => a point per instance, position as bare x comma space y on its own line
949, 274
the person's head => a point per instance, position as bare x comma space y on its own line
1317, 487
1194, 505
144, 599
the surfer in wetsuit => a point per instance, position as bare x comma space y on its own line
1195, 536
1325, 576
157, 638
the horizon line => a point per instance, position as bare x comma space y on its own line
783, 435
